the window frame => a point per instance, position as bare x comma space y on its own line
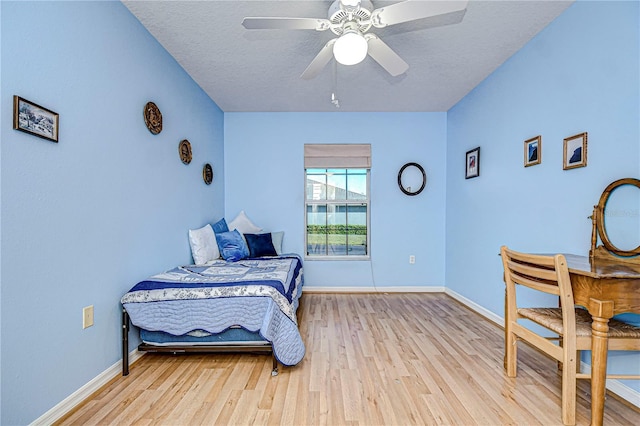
365, 202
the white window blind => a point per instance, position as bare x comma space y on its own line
331, 156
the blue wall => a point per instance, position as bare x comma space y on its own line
265, 177
84, 219
578, 75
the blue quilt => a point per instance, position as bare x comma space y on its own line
258, 294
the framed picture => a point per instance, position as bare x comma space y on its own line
575, 151
533, 151
472, 163
34, 119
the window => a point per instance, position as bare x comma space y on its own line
337, 201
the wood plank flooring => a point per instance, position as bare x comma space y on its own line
372, 359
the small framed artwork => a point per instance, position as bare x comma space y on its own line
34, 119
575, 151
472, 163
533, 151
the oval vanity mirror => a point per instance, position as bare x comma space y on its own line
617, 219
412, 179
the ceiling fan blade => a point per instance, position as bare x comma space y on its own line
258, 23
320, 61
411, 10
387, 58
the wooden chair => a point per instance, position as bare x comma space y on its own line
572, 325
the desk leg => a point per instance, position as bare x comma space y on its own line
601, 311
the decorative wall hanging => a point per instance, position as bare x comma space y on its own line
575, 151
533, 151
34, 119
472, 163
153, 118
207, 174
184, 149
409, 189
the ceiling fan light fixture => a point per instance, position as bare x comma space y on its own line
350, 48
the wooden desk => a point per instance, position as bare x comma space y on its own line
605, 287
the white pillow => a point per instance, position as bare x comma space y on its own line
243, 224
204, 247
276, 239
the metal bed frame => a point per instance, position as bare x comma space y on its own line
261, 348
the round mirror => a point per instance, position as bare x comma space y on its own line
412, 179
617, 217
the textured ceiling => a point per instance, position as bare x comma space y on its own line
259, 70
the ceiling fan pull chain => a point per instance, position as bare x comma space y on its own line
334, 95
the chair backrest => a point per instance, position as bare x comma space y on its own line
546, 273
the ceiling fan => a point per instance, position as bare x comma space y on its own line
351, 20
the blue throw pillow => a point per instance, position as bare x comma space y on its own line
260, 245
232, 246
220, 226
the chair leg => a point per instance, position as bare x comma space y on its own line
569, 390
511, 353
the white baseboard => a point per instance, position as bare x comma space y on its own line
632, 396
475, 307
616, 386
404, 289
70, 402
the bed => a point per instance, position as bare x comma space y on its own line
248, 305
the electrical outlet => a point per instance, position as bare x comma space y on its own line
412, 259
87, 316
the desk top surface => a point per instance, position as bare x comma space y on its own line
602, 268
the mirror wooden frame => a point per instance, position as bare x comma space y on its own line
598, 226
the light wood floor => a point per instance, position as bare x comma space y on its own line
372, 359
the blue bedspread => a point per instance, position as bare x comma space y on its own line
258, 294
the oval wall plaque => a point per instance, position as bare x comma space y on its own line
153, 118
207, 174
184, 149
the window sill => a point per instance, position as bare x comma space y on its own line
337, 258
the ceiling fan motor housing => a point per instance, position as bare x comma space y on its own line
339, 15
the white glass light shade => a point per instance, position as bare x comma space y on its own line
350, 48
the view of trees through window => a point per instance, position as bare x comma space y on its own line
337, 206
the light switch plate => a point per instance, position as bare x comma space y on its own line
87, 316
